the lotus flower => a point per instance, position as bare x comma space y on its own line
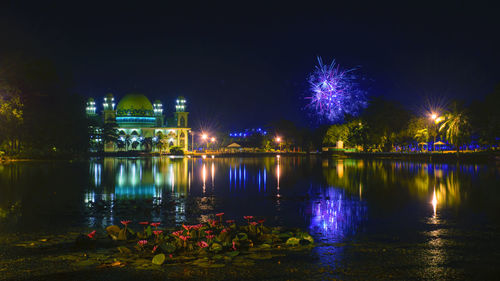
230, 221
253, 223
184, 237
197, 226
143, 223
155, 224
219, 214
261, 221
154, 248
210, 237
91, 235
186, 227
157, 232
224, 231
248, 217
125, 223
142, 242
212, 223
177, 233
208, 231
234, 245
203, 244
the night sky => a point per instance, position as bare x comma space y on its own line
247, 65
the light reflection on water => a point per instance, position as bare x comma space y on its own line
336, 200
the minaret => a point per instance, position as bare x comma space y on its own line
91, 109
158, 112
181, 116
109, 109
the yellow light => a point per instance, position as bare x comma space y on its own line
204, 136
212, 139
278, 139
434, 116
203, 156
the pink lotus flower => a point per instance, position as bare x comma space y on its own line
261, 221
186, 227
208, 231
197, 226
203, 244
230, 221
143, 223
224, 231
219, 214
155, 224
157, 232
184, 237
125, 223
154, 248
253, 223
248, 217
171, 256
91, 235
142, 242
210, 237
234, 245
177, 233
212, 223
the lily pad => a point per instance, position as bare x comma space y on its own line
232, 253
260, 256
216, 247
159, 259
124, 250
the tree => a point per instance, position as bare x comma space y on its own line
336, 133
109, 132
485, 118
384, 121
11, 118
455, 126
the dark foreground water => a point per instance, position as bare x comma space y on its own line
376, 219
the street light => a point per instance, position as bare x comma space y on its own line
434, 117
278, 140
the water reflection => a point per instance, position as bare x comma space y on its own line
336, 214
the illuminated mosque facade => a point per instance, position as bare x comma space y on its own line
140, 125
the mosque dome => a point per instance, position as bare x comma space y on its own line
136, 105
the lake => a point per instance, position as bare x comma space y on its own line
371, 219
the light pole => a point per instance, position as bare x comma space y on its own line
434, 116
212, 140
278, 140
205, 137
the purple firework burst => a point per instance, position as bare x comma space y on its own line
334, 92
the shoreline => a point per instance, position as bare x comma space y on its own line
481, 156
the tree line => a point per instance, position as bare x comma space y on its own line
40, 115
388, 126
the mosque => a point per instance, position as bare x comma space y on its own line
137, 125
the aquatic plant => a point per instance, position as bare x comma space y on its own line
213, 242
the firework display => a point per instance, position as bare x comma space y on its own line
334, 92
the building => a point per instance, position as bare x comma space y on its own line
136, 124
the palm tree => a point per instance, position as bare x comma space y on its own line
455, 126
